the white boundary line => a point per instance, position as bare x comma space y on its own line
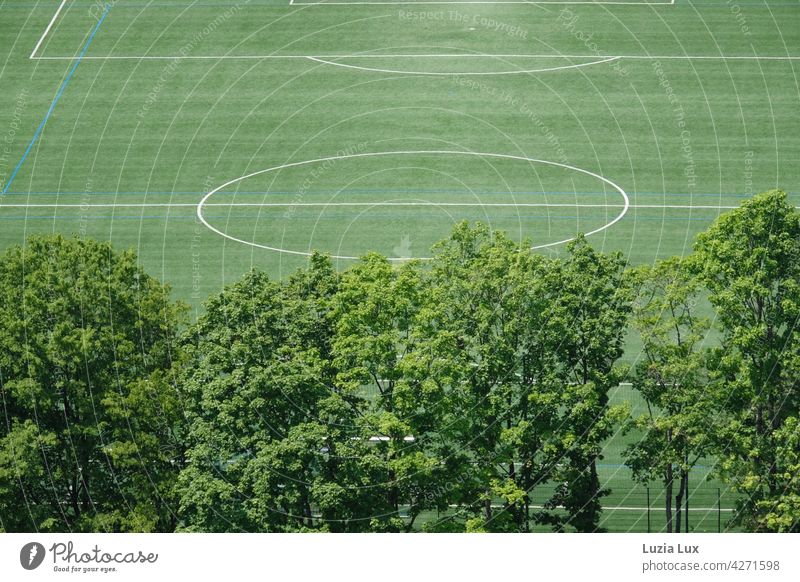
371, 204
46, 30
421, 56
623, 508
439, 74
401, 2
609, 224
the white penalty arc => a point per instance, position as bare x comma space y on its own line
463, 74
211, 227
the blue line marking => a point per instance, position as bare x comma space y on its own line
58, 96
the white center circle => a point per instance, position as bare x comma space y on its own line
202, 203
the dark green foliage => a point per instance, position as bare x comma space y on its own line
588, 320
458, 387
673, 378
90, 439
750, 261
442, 396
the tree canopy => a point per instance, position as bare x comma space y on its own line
91, 438
749, 260
471, 392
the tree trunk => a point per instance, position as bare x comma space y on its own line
527, 515
308, 519
394, 497
670, 478
668, 497
594, 492
682, 490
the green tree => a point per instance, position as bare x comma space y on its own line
471, 315
588, 320
479, 352
750, 261
250, 378
673, 380
783, 514
376, 312
91, 438
277, 441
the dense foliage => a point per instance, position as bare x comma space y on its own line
91, 438
374, 398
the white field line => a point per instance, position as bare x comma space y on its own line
513, 72
46, 30
535, 3
421, 56
492, 156
371, 204
618, 508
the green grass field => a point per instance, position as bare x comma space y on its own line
212, 137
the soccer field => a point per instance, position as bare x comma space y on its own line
213, 137
357, 126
